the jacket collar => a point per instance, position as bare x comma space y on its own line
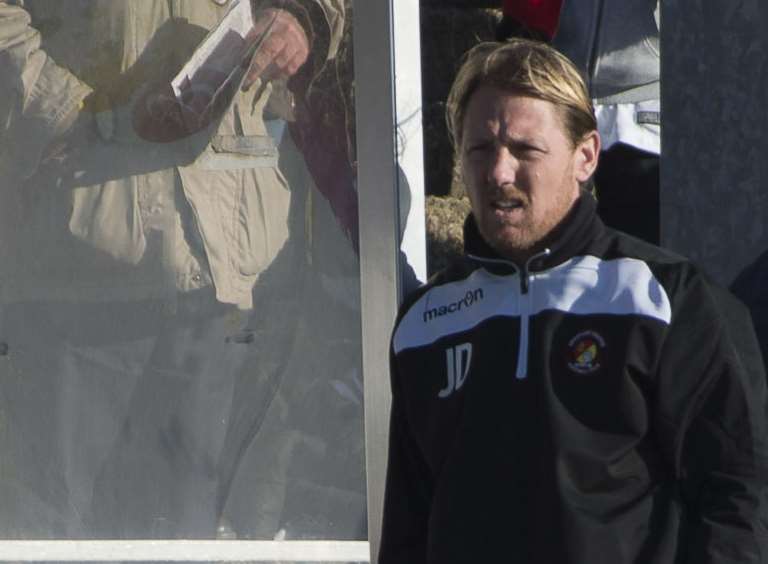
574, 234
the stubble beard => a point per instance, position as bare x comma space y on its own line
520, 240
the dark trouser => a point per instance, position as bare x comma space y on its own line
627, 183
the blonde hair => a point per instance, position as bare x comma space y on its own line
527, 68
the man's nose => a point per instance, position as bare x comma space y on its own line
503, 167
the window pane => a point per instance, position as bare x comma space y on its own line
179, 281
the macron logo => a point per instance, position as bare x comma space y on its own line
469, 298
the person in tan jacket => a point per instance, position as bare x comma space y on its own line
131, 252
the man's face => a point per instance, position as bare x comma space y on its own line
521, 171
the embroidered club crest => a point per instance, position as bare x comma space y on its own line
585, 352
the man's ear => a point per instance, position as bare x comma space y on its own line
586, 156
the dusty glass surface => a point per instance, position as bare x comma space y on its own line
179, 281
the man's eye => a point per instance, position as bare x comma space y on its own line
523, 151
479, 148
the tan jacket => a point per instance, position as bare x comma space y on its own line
126, 218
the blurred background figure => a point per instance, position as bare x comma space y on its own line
616, 47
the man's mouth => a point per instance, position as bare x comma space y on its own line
507, 204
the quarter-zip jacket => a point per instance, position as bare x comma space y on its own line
603, 402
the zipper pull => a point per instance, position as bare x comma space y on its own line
525, 276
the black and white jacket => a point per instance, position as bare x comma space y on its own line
604, 403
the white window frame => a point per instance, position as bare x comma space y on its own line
184, 550
390, 172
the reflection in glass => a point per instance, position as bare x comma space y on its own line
179, 285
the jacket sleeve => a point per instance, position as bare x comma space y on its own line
408, 490
333, 16
39, 100
712, 393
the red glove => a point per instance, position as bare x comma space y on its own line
537, 15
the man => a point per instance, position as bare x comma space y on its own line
153, 267
565, 392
